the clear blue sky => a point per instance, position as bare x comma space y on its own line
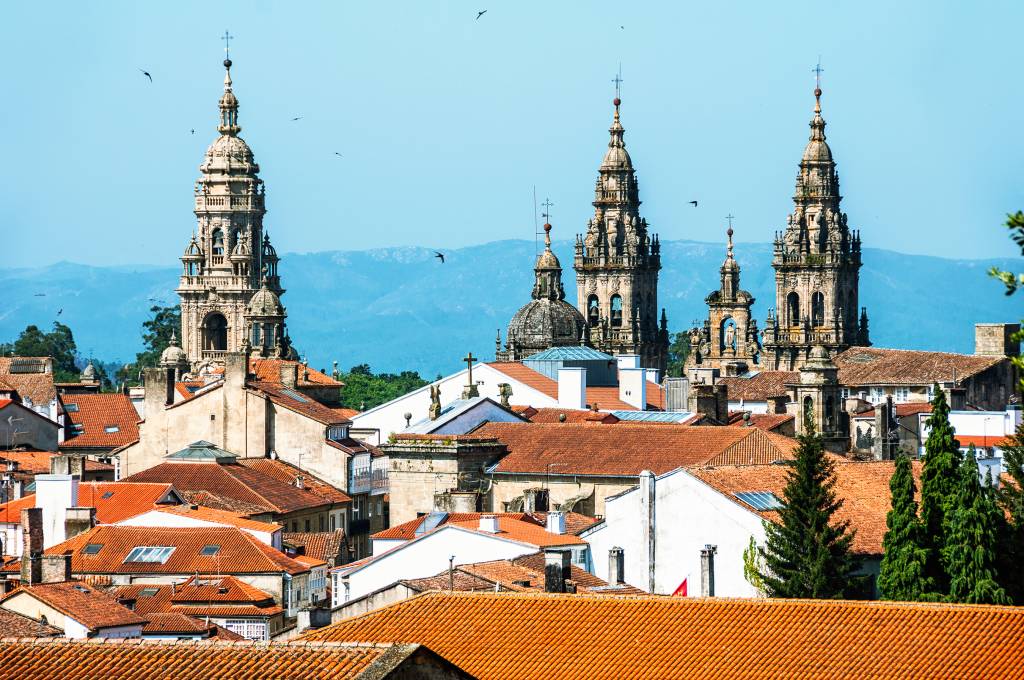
445, 123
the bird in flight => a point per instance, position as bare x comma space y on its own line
623, 28
146, 73
296, 118
693, 203
193, 130
438, 255
59, 311
40, 294
480, 14
338, 154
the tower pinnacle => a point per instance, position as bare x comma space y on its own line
228, 101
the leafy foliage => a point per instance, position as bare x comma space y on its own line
156, 336
807, 555
1011, 501
753, 565
971, 541
902, 576
1015, 223
58, 344
939, 483
364, 389
677, 353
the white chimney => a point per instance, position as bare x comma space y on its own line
628, 361
572, 388
489, 523
556, 522
653, 375
54, 495
633, 387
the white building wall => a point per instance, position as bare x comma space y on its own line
155, 518
755, 407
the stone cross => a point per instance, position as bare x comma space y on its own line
470, 391
547, 209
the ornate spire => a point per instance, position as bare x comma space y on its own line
548, 272
730, 269
228, 106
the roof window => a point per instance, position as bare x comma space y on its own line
71, 408
760, 500
209, 550
78, 428
107, 494
149, 553
111, 429
148, 592
91, 548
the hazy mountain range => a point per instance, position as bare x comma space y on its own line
400, 308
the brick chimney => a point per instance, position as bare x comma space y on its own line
32, 546
289, 373
557, 568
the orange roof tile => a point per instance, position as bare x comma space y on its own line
859, 366
530, 568
209, 659
760, 387
219, 516
108, 421
862, 486
555, 415
523, 531
286, 472
83, 603
628, 449
239, 553
979, 440
304, 404
322, 545
270, 370
520, 635
606, 398
170, 623
768, 422
205, 595
38, 462
16, 625
36, 385
908, 409
114, 501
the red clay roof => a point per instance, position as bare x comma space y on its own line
761, 387
521, 635
270, 370
860, 366
574, 523
18, 626
321, 545
208, 595
239, 553
628, 449
304, 404
114, 501
768, 422
1000, 440
99, 413
170, 623
555, 415
38, 462
523, 531
862, 486
38, 387
530, 568
83, 603
199, 659
225, 517
287, 473
908, 409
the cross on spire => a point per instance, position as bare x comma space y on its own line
817, 74
730, 217
547, 210
227, 38
618, 81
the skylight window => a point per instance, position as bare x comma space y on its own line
149, 554
91, 548
148, 592
71, 408
78, 428
760, 500
209, 550
294, 395
107, 494
111, 429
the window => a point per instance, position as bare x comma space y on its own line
321, 522
307, 526
149, 553
78, 428
247, 628
92, 548
333, 523
844, 393
760, 500
877, 395
107, 494
902, 395
337, 433
111, 429
71, 408
616, 310
295, 526
148, 592
209, 550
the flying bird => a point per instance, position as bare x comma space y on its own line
193, 130
693, 203
338, 154
146, 73
623, 28
40, 294
440, 255
480, 14
296, 118
59, 311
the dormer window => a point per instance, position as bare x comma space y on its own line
149, 554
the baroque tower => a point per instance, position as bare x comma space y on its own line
617, 264
728, 340
817, 266
230, 289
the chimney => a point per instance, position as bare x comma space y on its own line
633, 387
616, 567
56, 568
289, 374
707, 570
556, 522
157, 390
572, 388
32, 546
236, 369
78, 521
627, 361
54, 495
648, 528
677, 392
300, 482
557, 568
67, 464
489, 523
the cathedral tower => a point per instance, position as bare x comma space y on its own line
817, 266
617, 264
728, 340
230, 289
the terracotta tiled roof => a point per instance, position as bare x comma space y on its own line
761, 387
16, 625
554, 415
200, 659
874, 366
979, 440
519, 635
765, 421
407, 530
214, 596
219, 502
38, 387
270, 370
258, 482
575, 522
606, 398
98, 414
234, 519
38, 462
169, 623
459, 580
628, 449
348, 413
239, 553
83, 603
862, 486
114, 501
322, 545
304, 404
530, 568
524, 531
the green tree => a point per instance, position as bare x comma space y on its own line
1015, 223
677, 353
902, 576
364, 389
807, 554
971, 544
156, 336
59, 344
939, 482
1011, 502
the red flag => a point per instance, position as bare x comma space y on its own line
681, 590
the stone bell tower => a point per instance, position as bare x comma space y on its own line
617, 263
817, 266
230, 264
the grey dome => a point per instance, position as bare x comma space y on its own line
545, 323
265, 303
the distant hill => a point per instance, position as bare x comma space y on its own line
400, 308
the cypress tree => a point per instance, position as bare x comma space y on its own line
972, 541
902, 575
1011, 502
807, 554
939, 480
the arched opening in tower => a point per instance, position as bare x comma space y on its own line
215, 332
593, 311
793, 309
616, 310
817, 309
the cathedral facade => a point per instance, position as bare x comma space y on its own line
817, 262
230, 288
617, 263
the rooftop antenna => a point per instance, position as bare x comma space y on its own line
535, 226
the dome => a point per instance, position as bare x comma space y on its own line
548, 260
229, 153
173, 355
265, 303
241, 251
193, 251
545, 323
89, 371
817, 151
617, 157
